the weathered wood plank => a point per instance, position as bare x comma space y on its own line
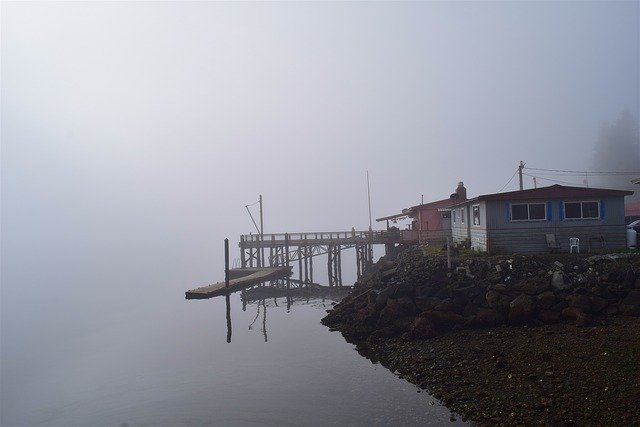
241, 278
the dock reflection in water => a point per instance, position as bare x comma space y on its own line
275, 295
280, 357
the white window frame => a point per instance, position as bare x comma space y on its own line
582, 218
462, 215
453, 216
511, 205
476, 219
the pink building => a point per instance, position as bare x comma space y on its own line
430, 221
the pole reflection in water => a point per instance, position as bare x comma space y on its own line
264, 319
261, 304
228, 301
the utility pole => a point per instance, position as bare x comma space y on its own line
535, 183
520, 173
369, 199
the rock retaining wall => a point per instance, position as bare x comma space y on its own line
416, 296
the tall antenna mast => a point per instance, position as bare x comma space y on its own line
261, 217
369, 199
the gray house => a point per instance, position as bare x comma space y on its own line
541, 219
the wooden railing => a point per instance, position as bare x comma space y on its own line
352, 237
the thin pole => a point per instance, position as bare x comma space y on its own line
226, 263
261, 233
261, 217
369, 199
226, 284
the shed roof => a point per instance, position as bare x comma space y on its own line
552, 192
438, 205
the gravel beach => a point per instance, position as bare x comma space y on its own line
517, 375
519, 340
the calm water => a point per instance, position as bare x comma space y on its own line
158, 359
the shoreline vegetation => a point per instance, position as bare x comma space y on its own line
506, 340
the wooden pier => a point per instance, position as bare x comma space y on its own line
240, 278
287, 249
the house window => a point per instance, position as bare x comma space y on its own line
476, 215
528, 212
453, 216
462, 215
446, 214
581, 210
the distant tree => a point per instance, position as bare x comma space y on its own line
618, 149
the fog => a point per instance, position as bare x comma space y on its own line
134, 133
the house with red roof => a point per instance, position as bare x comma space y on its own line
540, 219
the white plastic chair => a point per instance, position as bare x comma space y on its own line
574, 242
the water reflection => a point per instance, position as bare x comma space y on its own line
229, 329
273, 292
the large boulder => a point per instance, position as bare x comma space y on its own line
521, 309
558, 281
498, 301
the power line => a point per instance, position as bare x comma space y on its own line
551, 180
510, 179
253, 220
585, 172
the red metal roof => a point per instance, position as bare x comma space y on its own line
553, 192
632, 209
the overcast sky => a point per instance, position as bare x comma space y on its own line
134, 128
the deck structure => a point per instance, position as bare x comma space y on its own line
286, 249
240, 279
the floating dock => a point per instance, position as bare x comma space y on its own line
240, 278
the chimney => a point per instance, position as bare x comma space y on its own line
461, 192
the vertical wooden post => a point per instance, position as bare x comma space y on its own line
311, 264
286, 257
339, 267
242, 256
270, 256
300, 263
226, 263
329, 264
306, 264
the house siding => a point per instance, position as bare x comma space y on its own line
505, 235
497, 233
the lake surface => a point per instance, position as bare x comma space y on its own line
158, 359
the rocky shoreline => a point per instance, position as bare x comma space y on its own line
548, 339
